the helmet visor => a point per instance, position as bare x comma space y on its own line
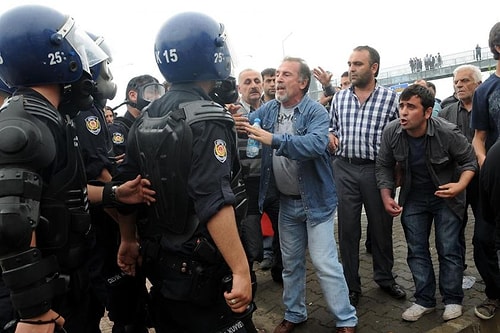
90, 53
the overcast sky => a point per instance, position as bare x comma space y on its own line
320, 31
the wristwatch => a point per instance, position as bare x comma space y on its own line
113, 193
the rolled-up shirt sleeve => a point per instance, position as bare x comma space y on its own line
209, 184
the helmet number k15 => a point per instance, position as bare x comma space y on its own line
170, 56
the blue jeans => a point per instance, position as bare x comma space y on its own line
295, 235
419, 211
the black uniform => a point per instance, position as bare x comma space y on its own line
95, 143
186, 291
63, 225
123, 296
119, 132
97, 154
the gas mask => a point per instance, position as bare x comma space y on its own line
77, 96
105, 87
225, 91
146, 94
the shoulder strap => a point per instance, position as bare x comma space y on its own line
203, 110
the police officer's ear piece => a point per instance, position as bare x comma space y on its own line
225, 91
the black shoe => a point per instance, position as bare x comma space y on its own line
395, 290
354, 298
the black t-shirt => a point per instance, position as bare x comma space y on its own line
420, 176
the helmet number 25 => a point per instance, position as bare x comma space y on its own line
55, 58
218, 57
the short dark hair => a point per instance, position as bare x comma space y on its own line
494, 40
268, 72
426, 97
374, 55
136, 82
345, 74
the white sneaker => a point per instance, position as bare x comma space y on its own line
452, 311
415, 312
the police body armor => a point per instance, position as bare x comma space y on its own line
166, 160
57, 211
185, 265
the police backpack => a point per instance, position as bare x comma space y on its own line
165, 148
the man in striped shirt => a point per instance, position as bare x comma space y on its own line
359, 115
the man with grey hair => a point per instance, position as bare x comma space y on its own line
466, 78
294, 137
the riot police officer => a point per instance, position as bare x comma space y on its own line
124, 296
94, 137
44, 199
6, 311
98, 157
141, 90
190, 239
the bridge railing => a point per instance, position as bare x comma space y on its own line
402, 73
447, 61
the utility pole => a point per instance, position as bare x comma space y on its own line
283, 42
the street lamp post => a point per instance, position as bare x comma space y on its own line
283, 42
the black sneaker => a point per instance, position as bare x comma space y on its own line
395, 290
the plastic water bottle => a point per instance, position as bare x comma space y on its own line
253, 146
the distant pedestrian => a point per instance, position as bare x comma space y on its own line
439, 60
478, 52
